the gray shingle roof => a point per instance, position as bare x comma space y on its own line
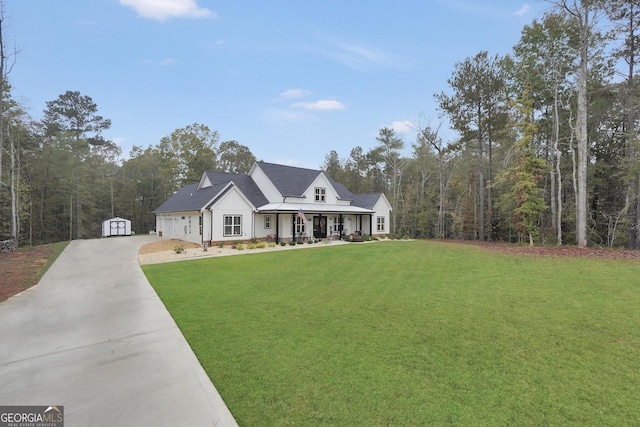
244, 182
189, 198
367, 201
289, 180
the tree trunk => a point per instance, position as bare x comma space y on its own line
13, 179
481, 189
557, 156
581, 127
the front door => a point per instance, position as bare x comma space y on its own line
319, 227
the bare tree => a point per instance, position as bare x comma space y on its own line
585, 14
6, 65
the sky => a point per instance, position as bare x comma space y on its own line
290, 79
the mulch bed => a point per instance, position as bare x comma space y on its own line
19, 270
551, 251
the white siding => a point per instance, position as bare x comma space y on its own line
321, 182
180, 225
264, 184
232, 203
383, 209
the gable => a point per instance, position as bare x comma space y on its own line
232, 200
204, 181
322, 182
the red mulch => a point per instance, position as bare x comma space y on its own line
19, 270
552, 251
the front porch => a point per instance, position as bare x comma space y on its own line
315, 222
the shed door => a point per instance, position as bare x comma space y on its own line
118, 228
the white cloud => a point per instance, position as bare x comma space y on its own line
523, 10
162, 10
320, 105
403, 126
295, 94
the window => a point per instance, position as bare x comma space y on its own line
321, 194
380, 223
299, 225
267, 221
232, 225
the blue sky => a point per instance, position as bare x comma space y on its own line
292, 80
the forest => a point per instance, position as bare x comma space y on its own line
547, 150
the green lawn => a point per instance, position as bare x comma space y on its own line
412, 333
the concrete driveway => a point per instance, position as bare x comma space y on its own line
94, 337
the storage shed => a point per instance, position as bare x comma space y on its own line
116, 227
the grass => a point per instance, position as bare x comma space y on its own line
412, 333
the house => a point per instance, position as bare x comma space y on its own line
273, 202
116, 227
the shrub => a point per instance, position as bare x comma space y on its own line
292, 243
240, 246
261, 244
272, 244
251, 245
309, 241
220, 244
253, 240
178, 249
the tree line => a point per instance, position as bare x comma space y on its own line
547, 149
64, 178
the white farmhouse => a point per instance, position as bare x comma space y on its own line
274, 202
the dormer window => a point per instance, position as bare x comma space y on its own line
321, 194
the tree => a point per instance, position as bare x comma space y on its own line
544, 60
74, 118
234, 157
626, 16
524, 178
190, 151
584, 14
476, 110
332, 165
390, 150
5, 69
430, 137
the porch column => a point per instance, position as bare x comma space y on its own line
370, 224
340, 225
277, 229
